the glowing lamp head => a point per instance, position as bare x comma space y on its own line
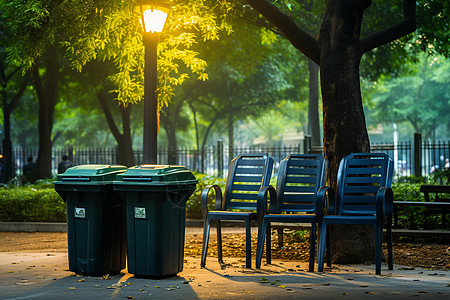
153, 14
153, 19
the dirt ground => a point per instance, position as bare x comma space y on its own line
428, 256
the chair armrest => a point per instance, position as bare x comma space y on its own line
385, 203
325, 202
261, 201
204, 199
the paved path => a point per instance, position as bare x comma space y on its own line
45, 276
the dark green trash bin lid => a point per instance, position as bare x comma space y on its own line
88, 175
155, 177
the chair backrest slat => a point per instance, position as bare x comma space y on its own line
246, 187
247, 178
360, 176
298, 198
299, 178
300, 189
310, 180
246, 175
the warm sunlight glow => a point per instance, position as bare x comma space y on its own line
154, 20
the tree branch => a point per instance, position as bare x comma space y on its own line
8, 77
15, 100
298, 38
108, 116
407, 26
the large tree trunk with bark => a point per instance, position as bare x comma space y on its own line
344, 122
47, 93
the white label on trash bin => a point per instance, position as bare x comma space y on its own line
139, 212
80, 212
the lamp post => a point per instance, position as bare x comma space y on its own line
153, 17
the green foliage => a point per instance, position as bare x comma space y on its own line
420, 99
31, 203
409, 214
413, 217
193, 208
433, 31
110, 30
40, 203
407, 192
297, 236
412, 179
441, 177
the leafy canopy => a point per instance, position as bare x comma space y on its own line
110, 30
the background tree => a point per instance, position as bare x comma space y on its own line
12, 87
416, 99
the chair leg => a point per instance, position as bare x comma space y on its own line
378, 247
248, 244
206, 228
260, 243
328, 245
269, 243
312, 247
219, 241
322, 243
389, 246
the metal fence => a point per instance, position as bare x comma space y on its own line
417, 158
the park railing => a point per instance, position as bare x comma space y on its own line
411, 158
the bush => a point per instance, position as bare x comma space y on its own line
193, 208
413, 217
441, 177
39, 202
412, 179
409, 215
31, 203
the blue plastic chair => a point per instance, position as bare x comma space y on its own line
300, 177
246, 175
363, 197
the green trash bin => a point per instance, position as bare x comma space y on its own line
96, 220
155, 197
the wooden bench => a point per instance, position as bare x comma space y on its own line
438, 205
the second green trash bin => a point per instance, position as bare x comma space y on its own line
155, 197
95, 219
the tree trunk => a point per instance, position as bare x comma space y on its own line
8, 108
344, 122
48, 96
126, 153
169, 120
313, 105
230, 136
172, 144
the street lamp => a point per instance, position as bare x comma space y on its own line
153, 15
